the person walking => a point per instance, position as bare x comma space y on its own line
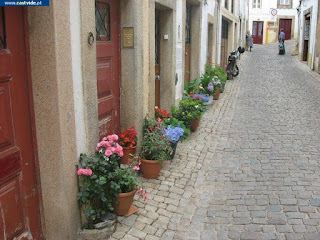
282, 37
249, 41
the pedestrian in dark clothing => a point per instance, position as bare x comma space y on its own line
282, 37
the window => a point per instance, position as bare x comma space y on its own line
232, 8
103, 21
188, 25
226, 3
285, 2
2, 30
256, 4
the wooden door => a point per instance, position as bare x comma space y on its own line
224, 42
257, 32
108, 65
157, 58
19, 192
187, 64
285, 24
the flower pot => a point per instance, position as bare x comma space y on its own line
150, 168
174, 147
222, 88
98, 234
124, 202
126, 158
216, 95
194, 125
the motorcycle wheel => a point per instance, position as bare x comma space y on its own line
235, 71
230, 74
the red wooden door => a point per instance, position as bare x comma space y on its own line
19, 195
285, 24
108, 65
257, 32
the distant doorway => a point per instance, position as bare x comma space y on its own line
257, 32
224, 42
187, 70
285, 24
306, 38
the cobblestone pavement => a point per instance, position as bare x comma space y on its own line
251, 171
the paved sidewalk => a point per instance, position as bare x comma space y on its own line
251, 171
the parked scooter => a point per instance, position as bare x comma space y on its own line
232, 67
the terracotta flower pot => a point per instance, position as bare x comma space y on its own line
194, 125
126, 158
216, 95
125, 200
150, 168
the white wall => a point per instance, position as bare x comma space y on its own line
313, 21
264, 14
75, 21
206, 9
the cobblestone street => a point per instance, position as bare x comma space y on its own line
251, 170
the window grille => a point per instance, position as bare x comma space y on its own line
102, 12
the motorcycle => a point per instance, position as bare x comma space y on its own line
232, 67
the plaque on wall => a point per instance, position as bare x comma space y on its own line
128, 37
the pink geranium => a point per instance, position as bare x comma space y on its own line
83, 171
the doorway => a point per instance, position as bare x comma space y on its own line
306, 38
210, 43
187, 71
286, 25
224, 42
257, 32
157, 57
108, 65
19, 187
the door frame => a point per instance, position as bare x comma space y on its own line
292, 18
32, 118
118, 59
257, 28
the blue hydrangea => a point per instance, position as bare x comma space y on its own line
174, 133
206, 99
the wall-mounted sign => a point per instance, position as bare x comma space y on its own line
128, 37
274, 12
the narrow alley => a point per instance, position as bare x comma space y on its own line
251, 170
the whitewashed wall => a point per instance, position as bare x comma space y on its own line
264, 14
306, 4
206, 9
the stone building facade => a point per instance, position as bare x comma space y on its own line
92, 68
308, 19
267, 18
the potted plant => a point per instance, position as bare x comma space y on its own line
155, 148
99, 181
175, 123
162, 114
124, 185
128, 141
217, 87
173, 134
190, 112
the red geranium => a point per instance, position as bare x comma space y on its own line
162, 114
128, 138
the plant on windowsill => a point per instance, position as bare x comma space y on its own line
155, 148
128, 141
